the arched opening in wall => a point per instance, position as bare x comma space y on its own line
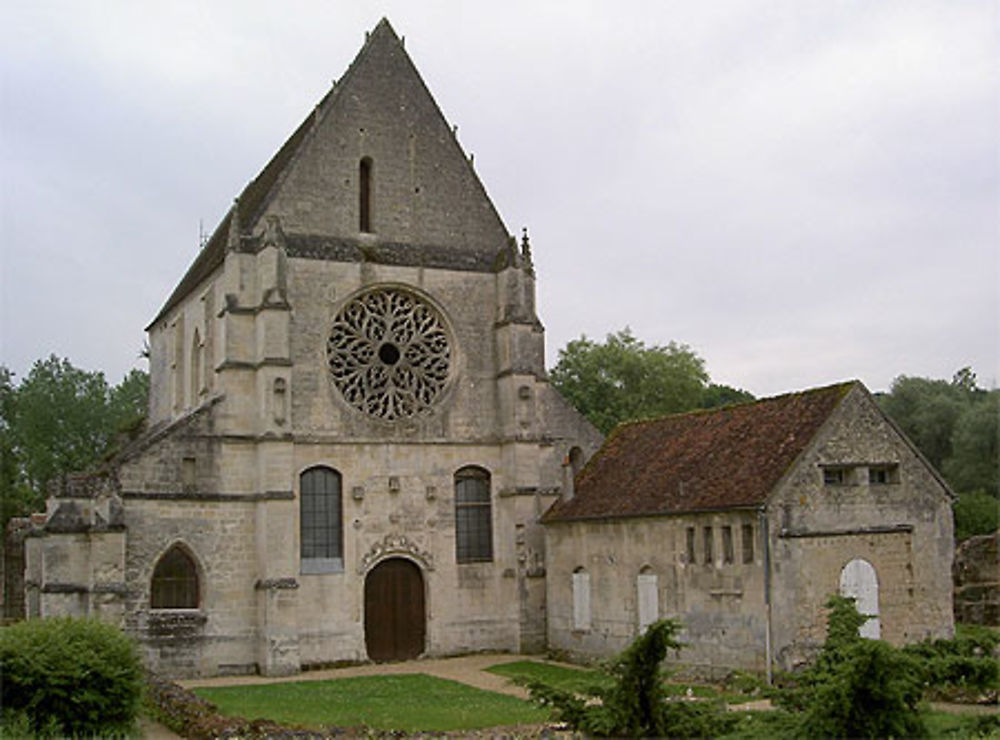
473, 516
575, 460
175, 581
859, 581
648, 597
196, 368
581, 599
365, 195
321, 530
395, 616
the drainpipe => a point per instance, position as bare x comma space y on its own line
765, 534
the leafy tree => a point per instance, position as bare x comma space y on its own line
955, 426
927, 411
975, 513
58, 420
622, 379
972, 464
716, 395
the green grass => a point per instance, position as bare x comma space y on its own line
577, 680
409, 703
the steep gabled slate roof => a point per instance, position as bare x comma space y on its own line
259, 193
731, 457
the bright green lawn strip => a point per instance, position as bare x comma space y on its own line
577, 680
409, 703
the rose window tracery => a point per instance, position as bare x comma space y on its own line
389, 354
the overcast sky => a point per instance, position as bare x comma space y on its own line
803, 192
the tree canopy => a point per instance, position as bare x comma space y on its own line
955, 426
622, 379
58, 420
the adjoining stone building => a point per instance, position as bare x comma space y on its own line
352, 436
741, 522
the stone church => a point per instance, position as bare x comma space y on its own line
353, 451
351, 435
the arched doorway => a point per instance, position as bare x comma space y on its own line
395, 618
859, 581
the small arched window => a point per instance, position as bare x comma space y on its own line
321, 521
175, 581
473, 516
365, 194
581, 599
648, 596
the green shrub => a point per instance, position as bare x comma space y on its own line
80, 675
858, 687
965, 661
634, 704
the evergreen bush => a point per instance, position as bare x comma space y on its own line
858, 687
80, 677
635, 704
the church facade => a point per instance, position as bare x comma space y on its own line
351, 435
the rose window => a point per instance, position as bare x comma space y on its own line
389, 355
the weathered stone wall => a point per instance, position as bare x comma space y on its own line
977, 580
903, 528
719, 603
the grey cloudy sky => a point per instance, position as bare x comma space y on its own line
804, 192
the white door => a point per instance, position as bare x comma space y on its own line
858, 581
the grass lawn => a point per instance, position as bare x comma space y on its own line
577, 680
409, 703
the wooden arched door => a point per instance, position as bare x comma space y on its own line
395, 618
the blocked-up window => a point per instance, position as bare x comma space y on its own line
648, 596
747, 543
473, 516
581, 599
727, 544
175, 581
321, 521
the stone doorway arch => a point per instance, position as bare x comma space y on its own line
395, 612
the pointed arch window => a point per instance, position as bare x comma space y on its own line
321, 521
365, 194
473, 516
175, 581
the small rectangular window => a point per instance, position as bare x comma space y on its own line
690, 545
727, 544
708, 545
883, 475
747, 543
835, 476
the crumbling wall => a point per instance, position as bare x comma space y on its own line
976, 571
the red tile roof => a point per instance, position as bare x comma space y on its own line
731, 457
